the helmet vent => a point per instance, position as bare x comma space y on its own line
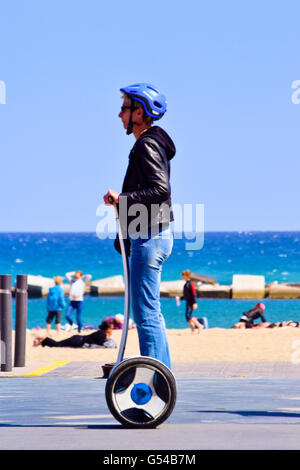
152, 88
157, 104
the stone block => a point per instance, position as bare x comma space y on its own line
246, 286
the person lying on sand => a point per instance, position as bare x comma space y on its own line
99, 338
257, 326
290, 323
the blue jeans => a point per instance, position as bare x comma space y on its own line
146, 259
75, 305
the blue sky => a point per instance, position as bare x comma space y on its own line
226, 68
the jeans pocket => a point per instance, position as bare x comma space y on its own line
164, 246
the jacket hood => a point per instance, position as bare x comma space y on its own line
163, 139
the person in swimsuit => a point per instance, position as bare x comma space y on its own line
253, 314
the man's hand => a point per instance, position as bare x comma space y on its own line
195, 306
113, 194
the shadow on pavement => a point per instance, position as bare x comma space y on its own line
274, 414
73, 426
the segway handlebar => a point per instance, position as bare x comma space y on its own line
127, 285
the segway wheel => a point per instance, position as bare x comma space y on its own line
141, 392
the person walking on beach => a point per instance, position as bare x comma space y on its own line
77, 287
99, 338
146, 189
55, 304
189, 295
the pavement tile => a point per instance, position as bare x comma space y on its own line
200, 369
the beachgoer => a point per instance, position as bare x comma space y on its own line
253, 314
189, 295
146, 190
289, 323
77, 286
99, 338
55, 304
254, 326
118, 321
283, 324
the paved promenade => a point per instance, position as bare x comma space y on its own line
220, 405
181, 369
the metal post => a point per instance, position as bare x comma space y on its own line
6, 322
21, 320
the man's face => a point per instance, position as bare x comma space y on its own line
125, 112
77, 275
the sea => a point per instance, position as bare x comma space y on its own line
276, 255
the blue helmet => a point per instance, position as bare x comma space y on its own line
154, 102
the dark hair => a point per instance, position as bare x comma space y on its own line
105, 325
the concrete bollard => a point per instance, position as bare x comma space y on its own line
6, 322
21, 295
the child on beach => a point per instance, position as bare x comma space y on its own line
55, 304
189, 294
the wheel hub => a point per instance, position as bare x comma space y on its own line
141, 394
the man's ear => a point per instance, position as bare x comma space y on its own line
140, 112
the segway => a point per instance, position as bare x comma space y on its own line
140, 391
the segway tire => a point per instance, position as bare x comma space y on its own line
141, 392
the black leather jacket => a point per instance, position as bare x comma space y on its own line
147, 179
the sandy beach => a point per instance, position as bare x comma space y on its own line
215, 344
